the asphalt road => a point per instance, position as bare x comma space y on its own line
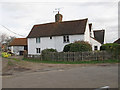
76, 77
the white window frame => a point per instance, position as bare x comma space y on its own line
66, 39
95, 48
38, 50
38, 40
50, 37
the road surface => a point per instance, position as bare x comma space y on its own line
76, 77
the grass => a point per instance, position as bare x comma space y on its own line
75, 62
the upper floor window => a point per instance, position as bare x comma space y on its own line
38, 40
50, 37
66, 38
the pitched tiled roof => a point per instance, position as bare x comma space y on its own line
19, 42
117, 41
58, 28
99, 35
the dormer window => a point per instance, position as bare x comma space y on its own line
66, 39
38, 40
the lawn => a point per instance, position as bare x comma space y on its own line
75, 62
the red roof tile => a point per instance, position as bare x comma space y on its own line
19, 42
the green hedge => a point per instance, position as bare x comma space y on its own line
78, 46
48, 50
113, 47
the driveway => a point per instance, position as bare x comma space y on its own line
91, 76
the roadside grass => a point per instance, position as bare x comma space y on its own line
73, 62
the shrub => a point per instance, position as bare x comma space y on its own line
5, 54
44, 54
78, 46
67, 47
48, 50
111, 47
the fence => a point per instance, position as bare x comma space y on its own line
73, 56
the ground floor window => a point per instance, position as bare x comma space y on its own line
37, 50
95, 47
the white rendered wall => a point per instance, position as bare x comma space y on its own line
17, 49
56, 43
93, 42
87, 33
59, 44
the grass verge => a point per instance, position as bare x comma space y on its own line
75, 62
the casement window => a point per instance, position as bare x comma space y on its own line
38, 40
95, 47
37, 50
66, 38
50, 37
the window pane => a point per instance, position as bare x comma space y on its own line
67, 38
39, 50
51, 37
95, 47
36, 50
64, 38
37, 40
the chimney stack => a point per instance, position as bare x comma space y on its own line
58, 17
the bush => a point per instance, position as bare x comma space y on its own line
67, 47
44, 54
49, 50
5, 54
78, 46
113, 47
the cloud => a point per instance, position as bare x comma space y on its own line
20, 17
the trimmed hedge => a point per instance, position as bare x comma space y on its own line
113, 47
78, 46
48, 50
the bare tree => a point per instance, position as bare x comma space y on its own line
3, 37
5, 40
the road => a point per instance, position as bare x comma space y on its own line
76, 77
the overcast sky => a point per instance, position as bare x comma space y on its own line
20, 15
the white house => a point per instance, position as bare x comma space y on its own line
60, 33
18, 46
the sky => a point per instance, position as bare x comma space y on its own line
18, 16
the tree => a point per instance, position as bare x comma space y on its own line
5, 40
3, 37
9, 39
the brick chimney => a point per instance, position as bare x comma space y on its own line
58, 17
